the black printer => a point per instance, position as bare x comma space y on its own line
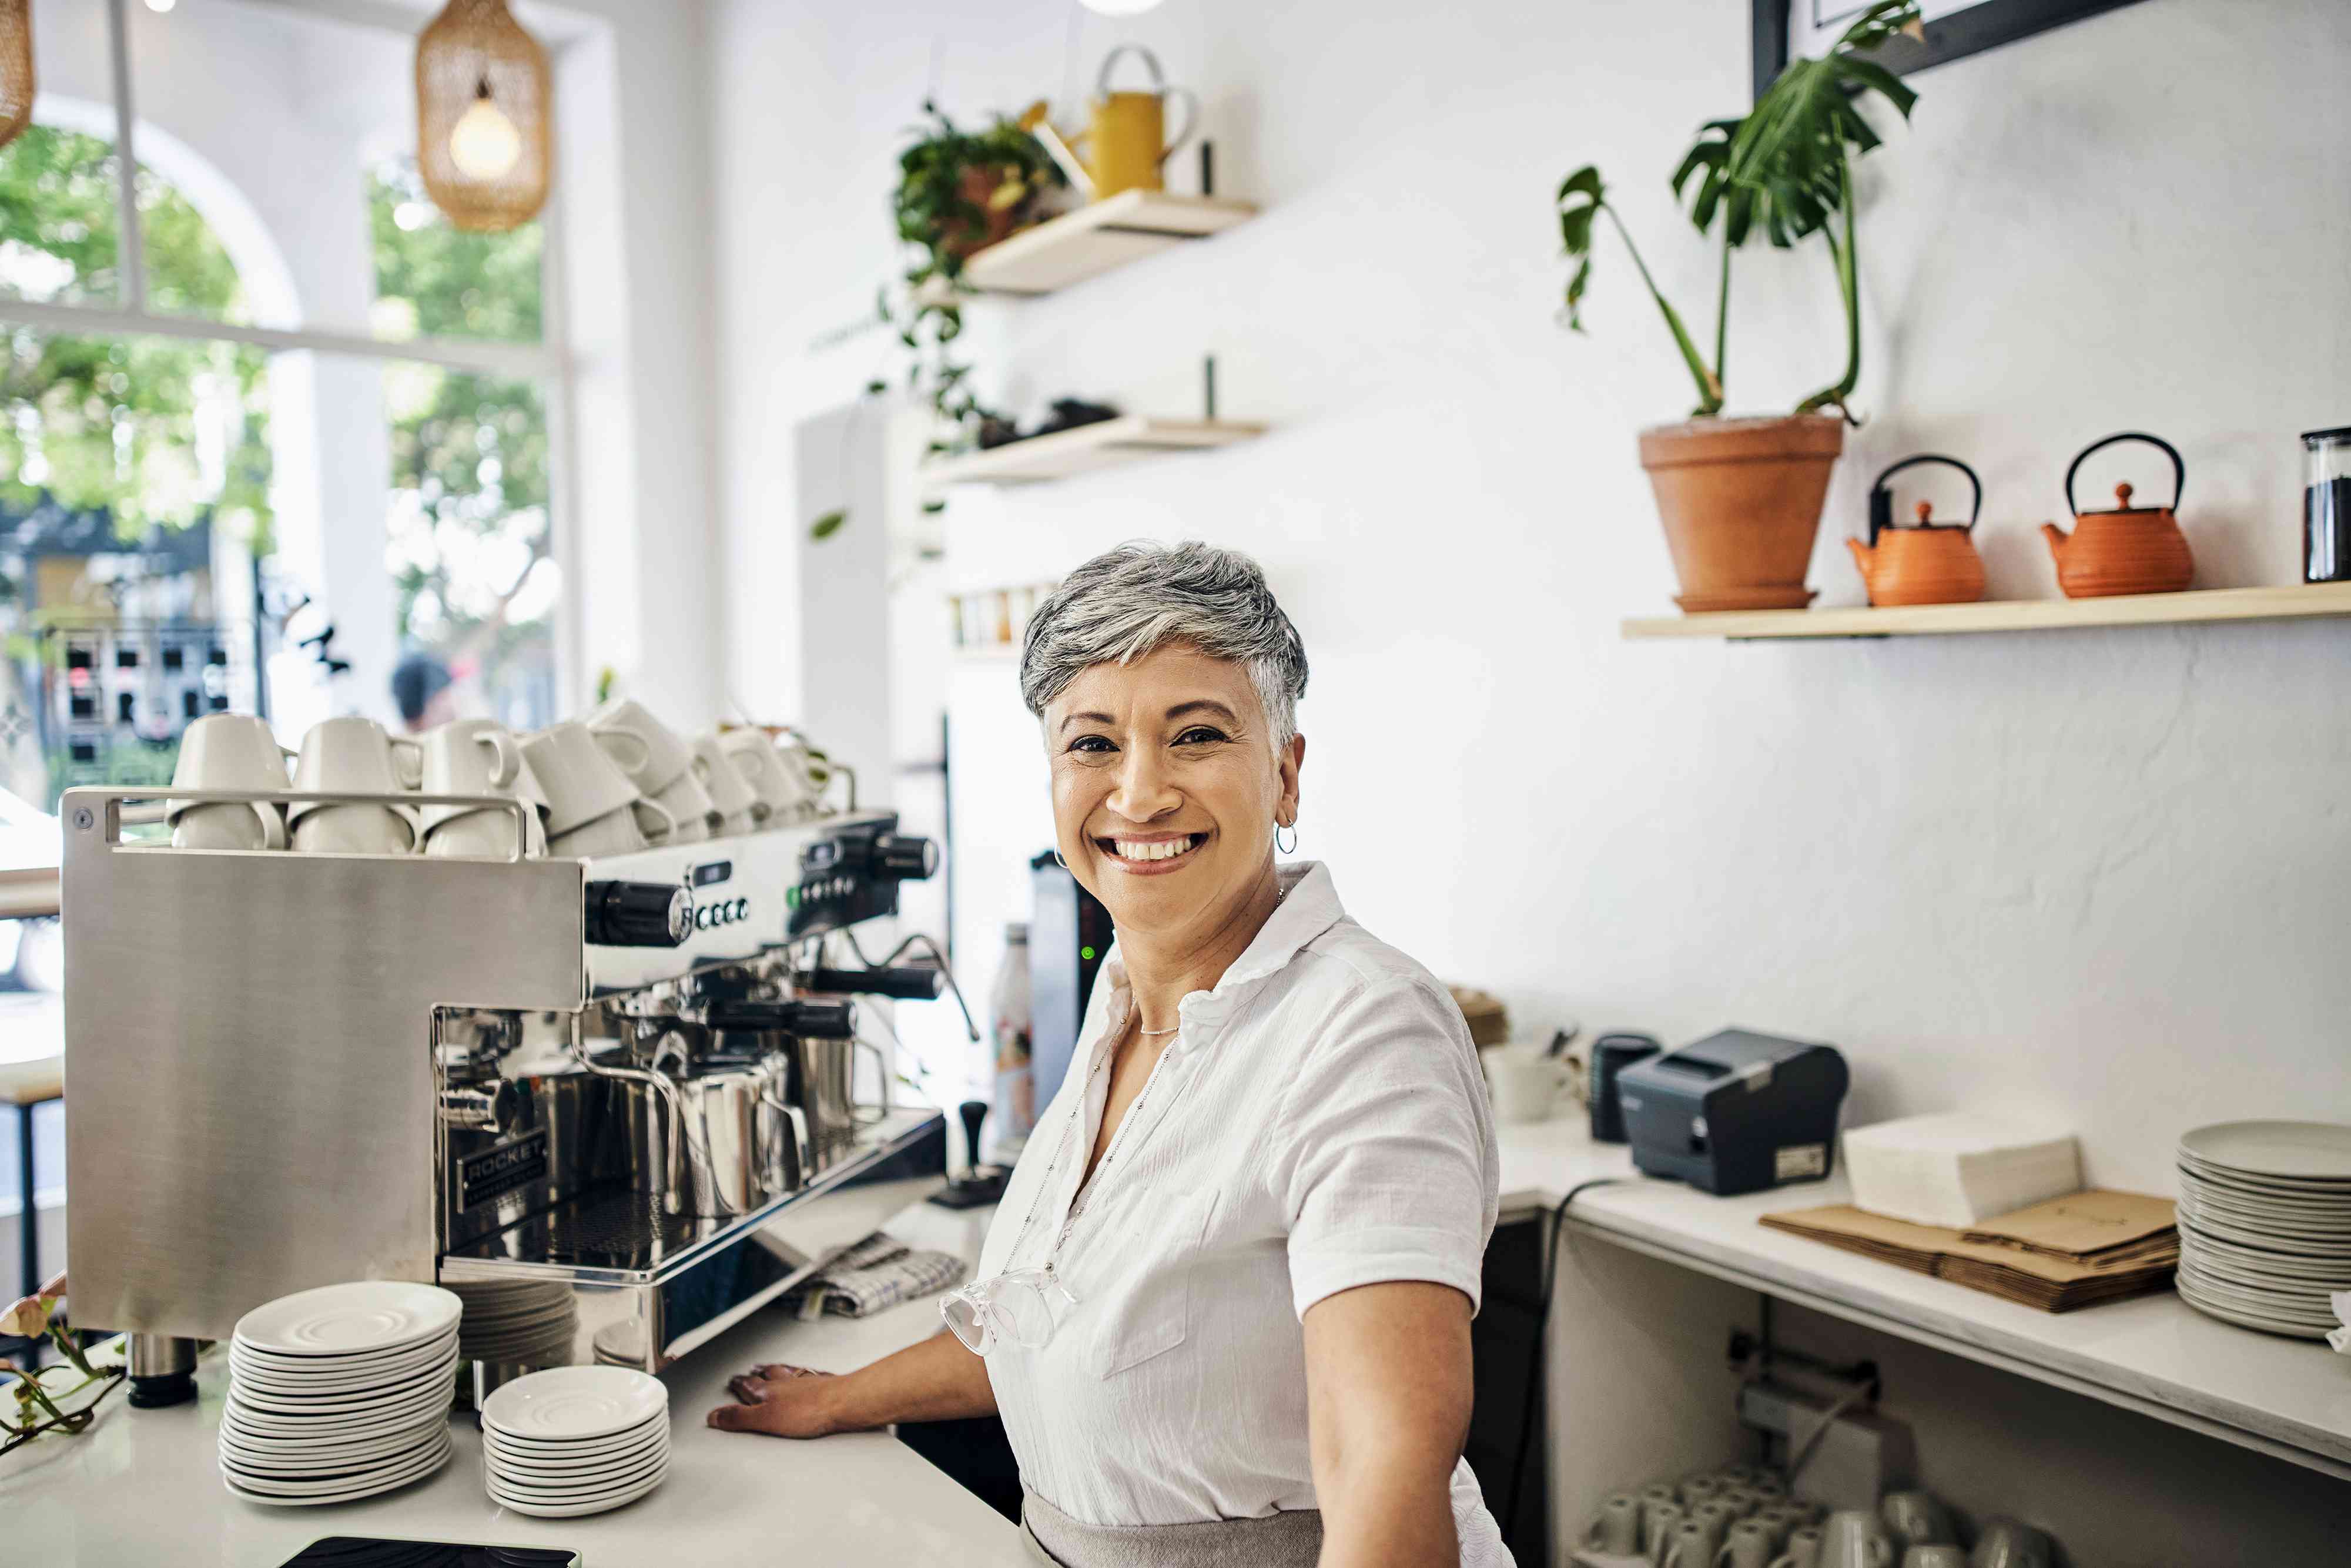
1737, 1111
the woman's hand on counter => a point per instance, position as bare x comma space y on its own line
780, 1400
936, 1380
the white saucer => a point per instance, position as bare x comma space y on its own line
342, 1320
337, 1479
574, 1404
256, 1394
2210, 1308
388, 1481
338, 1428
577, 1509
528, 1448
518, 1465
2304, 1151
608, 1471
374, 1361
604, 1485
2261, 1240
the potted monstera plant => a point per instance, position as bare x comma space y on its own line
1740, 498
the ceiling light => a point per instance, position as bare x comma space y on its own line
1120, 7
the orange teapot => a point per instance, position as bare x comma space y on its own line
1931, 563
2128, 550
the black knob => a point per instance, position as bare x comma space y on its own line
910, 984
974, 1112
816, 1020
638, 913
904, 857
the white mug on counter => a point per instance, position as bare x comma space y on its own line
228, 751
784, 792
1526, 1084
476, 757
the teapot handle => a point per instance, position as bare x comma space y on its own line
1150, 61
1880, 499
2179, 468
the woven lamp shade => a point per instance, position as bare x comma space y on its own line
475, 59
16, 67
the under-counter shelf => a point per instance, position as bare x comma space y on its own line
2154, 1354
1105, 443
1096, 238
2298, 602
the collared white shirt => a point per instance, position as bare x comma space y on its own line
1318, 1121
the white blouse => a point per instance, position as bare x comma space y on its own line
1318, 1121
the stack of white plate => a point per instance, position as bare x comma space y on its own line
575, 1440
339, 1392
508, 1321
2265, 1223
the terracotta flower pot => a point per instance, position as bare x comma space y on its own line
1740, 499
978, 186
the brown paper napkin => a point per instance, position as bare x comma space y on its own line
2024, 1262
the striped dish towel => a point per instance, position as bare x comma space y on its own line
878, 1272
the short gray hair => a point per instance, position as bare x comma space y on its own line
1127, 602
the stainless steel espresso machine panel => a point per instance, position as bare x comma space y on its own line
293, 1069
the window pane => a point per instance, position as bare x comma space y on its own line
470, 547
58, 195
293, 138
134, 485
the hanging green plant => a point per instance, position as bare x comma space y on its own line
959, 191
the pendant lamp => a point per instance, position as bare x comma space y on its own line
16, 67
483, 103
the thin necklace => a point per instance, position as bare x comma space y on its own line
1279, 893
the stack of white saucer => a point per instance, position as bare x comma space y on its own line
339, 1392
575, 1440
2265, 1224
528, 1323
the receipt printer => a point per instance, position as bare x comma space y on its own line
1737, 1111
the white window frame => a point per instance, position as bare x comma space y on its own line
547, 362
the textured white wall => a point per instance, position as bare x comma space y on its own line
2103, 872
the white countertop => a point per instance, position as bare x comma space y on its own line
140, 1488
2151, 1353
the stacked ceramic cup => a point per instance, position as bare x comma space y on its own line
592, 809
479, 757
354, 756
228, 751
660, 765
2265, 1224
575, 1440
339, 1392
784, 793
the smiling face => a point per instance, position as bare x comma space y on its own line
1167, 788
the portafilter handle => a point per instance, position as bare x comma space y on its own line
811, 1019
911, 982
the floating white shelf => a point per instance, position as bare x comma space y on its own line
2153, 1354
1104, 444
1096, 238
2296, 602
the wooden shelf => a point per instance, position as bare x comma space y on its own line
2296, 602
1105, 445
1096, 238
2152, 1354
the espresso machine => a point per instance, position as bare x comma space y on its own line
617, 1105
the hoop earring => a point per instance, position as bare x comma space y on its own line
1058, 861
1291, 847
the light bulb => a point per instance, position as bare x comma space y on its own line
1120, 7
483, 143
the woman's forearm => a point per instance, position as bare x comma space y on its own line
1385, 1512
936, 1380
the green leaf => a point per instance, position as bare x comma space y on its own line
1576, 286
825, 526
1581, 196
1790, 154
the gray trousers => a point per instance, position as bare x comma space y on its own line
1292, 1540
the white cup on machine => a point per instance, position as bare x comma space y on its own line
476, 757
354, 756
740, 810
228, 751
778, 787
659, 764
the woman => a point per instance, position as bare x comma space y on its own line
1224, 1305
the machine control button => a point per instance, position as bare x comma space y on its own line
906, 857
638, 913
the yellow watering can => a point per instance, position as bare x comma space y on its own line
1125, 143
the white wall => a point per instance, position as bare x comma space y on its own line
2100, 871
